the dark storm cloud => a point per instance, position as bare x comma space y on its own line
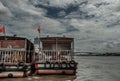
54, 11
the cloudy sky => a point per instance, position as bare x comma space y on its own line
95, 24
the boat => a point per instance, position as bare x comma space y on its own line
15, 56
55, 56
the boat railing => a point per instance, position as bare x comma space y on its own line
54, 55
12, 56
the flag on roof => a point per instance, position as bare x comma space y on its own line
38, 29
2, 29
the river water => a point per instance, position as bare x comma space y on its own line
90, 68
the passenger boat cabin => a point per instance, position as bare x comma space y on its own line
15, 49
55, 49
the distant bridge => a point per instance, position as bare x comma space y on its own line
83, 53
96, 54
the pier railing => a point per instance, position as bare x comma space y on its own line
12, 56
54, 56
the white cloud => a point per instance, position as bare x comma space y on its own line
4, 12
61, 3
55, 3
98, 21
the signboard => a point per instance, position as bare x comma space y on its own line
12, 43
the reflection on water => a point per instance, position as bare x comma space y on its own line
90, 68
43, 78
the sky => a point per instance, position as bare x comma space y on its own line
94, 24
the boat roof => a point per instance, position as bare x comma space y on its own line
11, 38
54, 39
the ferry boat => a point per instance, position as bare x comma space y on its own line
56, 56
15, 56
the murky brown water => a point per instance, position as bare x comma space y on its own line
43, 78
90, 68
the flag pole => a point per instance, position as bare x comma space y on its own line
39, 41
39, 36
4, 32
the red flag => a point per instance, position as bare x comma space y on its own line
38, 29
2, 30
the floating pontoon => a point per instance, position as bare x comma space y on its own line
15, 56
56, 56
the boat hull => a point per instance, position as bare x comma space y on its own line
55, 68
52, 71
12, 74
15, 71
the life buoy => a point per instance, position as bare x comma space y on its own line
72, 64
10, 75
20, 64
47, 64
64, 65
56, 65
